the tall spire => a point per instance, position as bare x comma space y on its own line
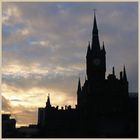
124, 74
79, 87
48, 104
95, 38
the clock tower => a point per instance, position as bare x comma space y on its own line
96, 57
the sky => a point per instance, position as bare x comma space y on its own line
44, 48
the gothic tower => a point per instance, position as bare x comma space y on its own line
96, 57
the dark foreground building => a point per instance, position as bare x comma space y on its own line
103, 105
8, 126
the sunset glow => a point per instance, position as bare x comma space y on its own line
44, 49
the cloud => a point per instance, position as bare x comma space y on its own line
52, 81
44, 48
6, 105
23, 115
10, 13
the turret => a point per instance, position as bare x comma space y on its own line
112, 76
113, 71
121, 75
79, 90
48, 104
79, 87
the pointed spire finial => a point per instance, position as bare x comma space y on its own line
79, 86
103, 48
113, 70
124, 66
95, 29
124, 74
94, 11
95, 39
88, 49
48, 104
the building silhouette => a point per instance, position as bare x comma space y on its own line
102, 108
8, 126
